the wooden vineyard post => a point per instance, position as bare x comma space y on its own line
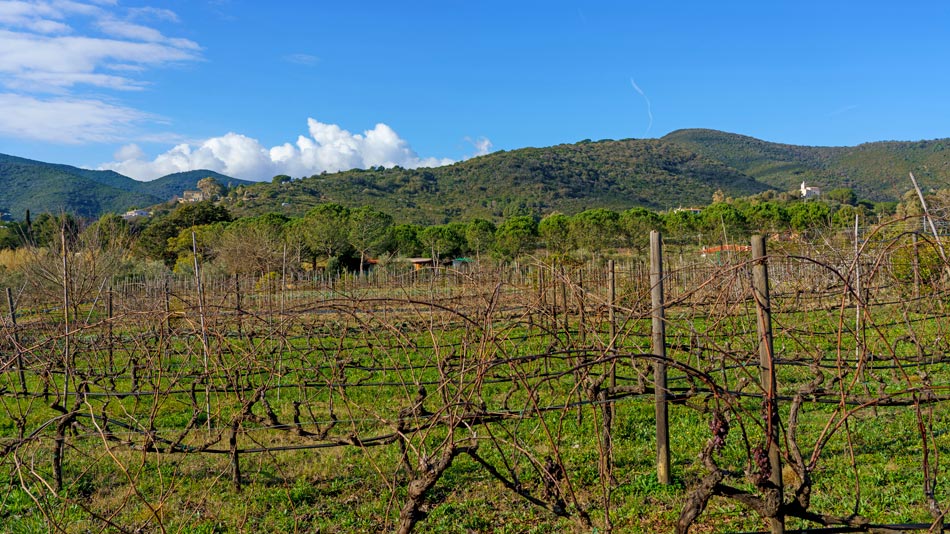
542, 299
67, 361
611, 408
916, 267
59, 442
659, 368
612, 318
109, 315
237, 305
567, 315
760, 290
16, 341
235, 461
581, 316
166, 291
554, 319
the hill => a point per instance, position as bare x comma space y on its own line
875, 171
47, 187
172, 185
568, 178
683, 168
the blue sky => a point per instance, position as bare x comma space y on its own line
254, 89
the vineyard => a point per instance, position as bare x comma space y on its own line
803, 387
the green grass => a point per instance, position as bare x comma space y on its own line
353, 362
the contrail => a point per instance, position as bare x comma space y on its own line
645, 97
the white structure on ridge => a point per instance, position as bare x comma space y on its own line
810, 192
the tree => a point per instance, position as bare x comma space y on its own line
681, 224
636, 225
48, 230
152, 243
555, 231
205, 242
110, 231
595, 230
809, 216
28, 227
403, 239
883, 209
211, 188
198, 213
326, 230
480, 235
516, 236
843, 195
252, 245
92, 257
909, 205
10, 236
767, 217
723, 220
366, 229
441, 240
844, 217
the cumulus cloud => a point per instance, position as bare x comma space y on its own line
327, 147
127, 152
482, 145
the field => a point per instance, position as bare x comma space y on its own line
517, 398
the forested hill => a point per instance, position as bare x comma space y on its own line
567, 178
683, 168
45, 187
875, 171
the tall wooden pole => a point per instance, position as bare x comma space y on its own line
916, 267
67, 357
760, 289
567, 315
611, 413
659, 368
204, 330
109, 314
16, 341
581, 316
612, 318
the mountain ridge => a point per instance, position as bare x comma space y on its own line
876, 170
53, 187
683, 168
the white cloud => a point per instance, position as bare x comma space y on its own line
66, 120
155, 13
47, 26
69, 47
127, 152
20, 13
482, 145
65, 61
327, 148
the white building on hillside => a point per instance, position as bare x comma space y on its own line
131, 214
810, 192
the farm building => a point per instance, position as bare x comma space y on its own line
810, 191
